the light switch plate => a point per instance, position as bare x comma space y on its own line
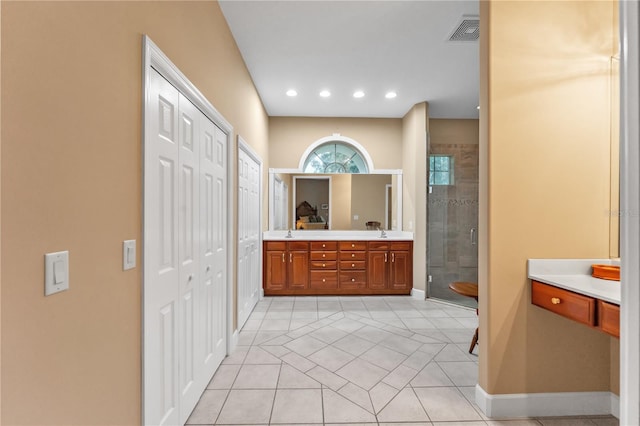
56, 272
128, 254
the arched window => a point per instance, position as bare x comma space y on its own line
335, 157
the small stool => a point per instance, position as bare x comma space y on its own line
469, 290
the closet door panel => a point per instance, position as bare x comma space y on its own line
189, 282
162, 263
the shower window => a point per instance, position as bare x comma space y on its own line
441, 170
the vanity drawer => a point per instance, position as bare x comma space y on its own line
275, 245
566, 303
324, 255
324, 245
324, 279
609, 318
353, 255
319, 264
346, 265
298, 245
353, 245
353, 279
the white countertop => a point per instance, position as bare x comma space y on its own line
575, 275
324, 235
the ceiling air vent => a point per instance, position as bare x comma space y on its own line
468, 30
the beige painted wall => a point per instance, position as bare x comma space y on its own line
447, 131
71, 180
368, 193
341, 193
415, 126
545, 173
289, 137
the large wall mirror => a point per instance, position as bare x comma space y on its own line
335, 187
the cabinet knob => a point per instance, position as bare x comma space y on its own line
323, 265
323, 255
353, 255
324, 280
353, 245
324, 245
353, 280
555, 300
353, 265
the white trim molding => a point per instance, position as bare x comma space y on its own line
629, 213
418, 294
524, 405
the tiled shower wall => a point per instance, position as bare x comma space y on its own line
452, 214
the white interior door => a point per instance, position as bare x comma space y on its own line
185, 252
249, 264
213, 247
189, 281
162, 270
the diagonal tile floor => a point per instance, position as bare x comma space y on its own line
371, 360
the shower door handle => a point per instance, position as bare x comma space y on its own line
474, 236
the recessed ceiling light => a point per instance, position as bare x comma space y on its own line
325, 93
358, 94
390, 95
292, 93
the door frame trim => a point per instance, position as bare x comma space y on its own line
246, 148
154, 58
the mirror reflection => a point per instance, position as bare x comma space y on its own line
306, 201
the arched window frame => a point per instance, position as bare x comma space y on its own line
340, 139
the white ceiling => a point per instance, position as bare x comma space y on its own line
344, 46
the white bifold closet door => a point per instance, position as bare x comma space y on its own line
249, 271
185, 254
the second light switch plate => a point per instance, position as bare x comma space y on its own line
128, 254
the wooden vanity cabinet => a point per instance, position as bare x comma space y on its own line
337, 267
587, 310
353, 265
390, 266
324, 265
286, 266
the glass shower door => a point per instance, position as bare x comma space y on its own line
452, 220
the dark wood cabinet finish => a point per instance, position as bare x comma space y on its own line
338, 267
577, 307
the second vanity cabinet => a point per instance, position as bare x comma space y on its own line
338, 267
587, 310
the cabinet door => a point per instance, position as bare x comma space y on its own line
276, 270
377, 269
401, 276
298, 270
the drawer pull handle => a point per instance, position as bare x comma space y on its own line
555, 300
353, 255
290, 257
385, 258
353, 280
393, 258
282, 257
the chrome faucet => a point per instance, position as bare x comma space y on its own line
289, 234
383, 234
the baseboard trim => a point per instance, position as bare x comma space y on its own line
418, 294
234, 341
615, 405
546, 404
